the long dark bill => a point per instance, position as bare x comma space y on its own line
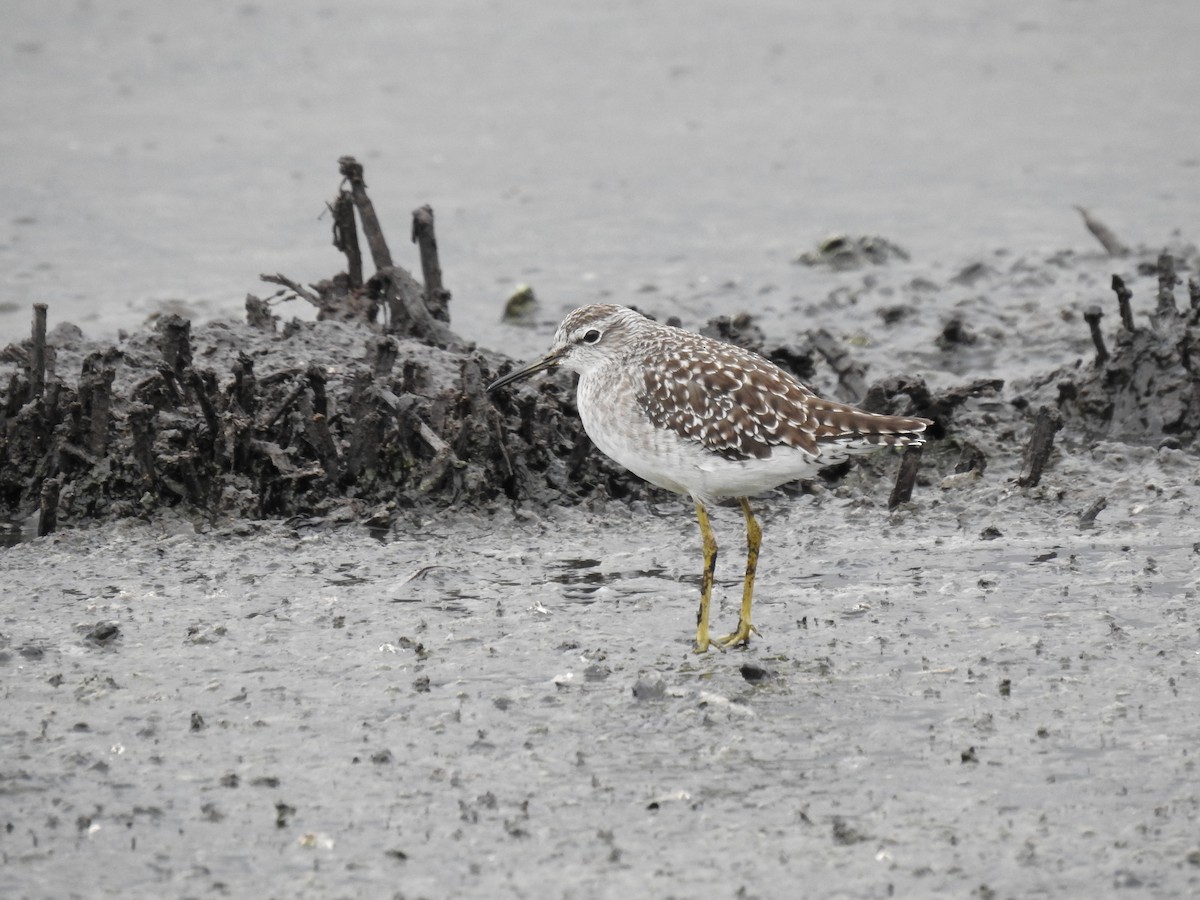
550, 359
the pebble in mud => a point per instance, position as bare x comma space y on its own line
102, 634
649, 689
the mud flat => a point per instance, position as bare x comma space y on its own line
312, 616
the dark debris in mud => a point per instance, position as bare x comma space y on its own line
377, 406
842, 252
1145, 389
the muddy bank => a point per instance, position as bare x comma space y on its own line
379, 405
352, 419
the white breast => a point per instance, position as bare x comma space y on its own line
617, 424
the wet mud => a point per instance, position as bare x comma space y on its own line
313, 616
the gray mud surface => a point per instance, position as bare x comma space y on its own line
983, 693
974, 695
489, 707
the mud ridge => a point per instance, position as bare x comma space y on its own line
379, 406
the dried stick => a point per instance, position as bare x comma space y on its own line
850, 374
298, 289
196, 381
141, 424
437, 298
345, 236
1040, 445
1166, 285
906, 477
366, 432
352, 171
245, 386
258, 313
37, 359
100, 408
408, 314
1088, 517
48, 518
176, 343
287, 403
316, 423
1124, 295
169, 384
386, 351
1092, 316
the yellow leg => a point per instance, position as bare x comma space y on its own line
710, 566
753, 542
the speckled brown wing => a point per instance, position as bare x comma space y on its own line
741, 406
735, 403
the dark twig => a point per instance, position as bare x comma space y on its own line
99, 393
1166, 286
366, 433
298, 289
943, 405
76, 452
850, 374
345, 236
437, 298
37, 359
386, 351
258, 314
906, 477
141, 424
245, 387
196, 382
1092, 316
190, 480
316, 380
1040, 444
352, 171
1124, 295
409, 315
38, 420
333, 297
176, 343
287, 403
48, 518
316, 423
1088, 516
169, 385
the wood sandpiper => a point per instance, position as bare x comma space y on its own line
707, 419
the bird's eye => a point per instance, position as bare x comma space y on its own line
591, 336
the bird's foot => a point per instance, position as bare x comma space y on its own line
702, 646
739, 638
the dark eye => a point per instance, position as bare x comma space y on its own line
591, 336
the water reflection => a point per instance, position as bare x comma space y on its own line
582, 579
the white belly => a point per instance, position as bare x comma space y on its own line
620, 428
